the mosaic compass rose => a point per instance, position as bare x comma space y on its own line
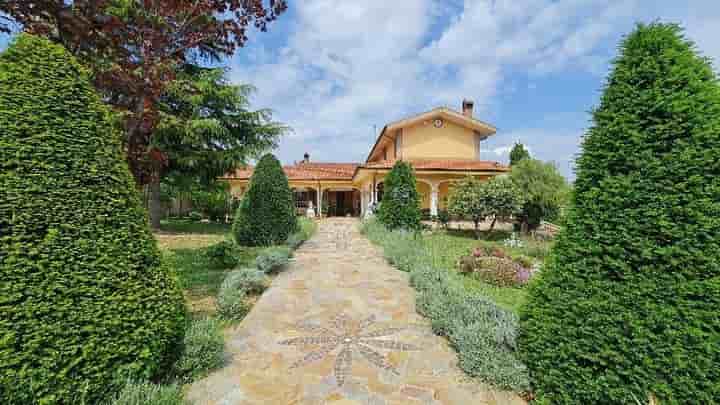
351, 338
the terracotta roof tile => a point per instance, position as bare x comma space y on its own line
345, 171
306, 171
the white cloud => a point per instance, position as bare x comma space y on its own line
349, 66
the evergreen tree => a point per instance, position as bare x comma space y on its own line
627, 306
266, 215
84, 297
518, 153
400, 207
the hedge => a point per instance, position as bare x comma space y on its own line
483, 334
628, 303
84, 297
266, 215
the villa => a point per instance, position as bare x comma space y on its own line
442, 145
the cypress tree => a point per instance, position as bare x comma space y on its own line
400, 207
266, 215
627, 305
518, 153
84, 297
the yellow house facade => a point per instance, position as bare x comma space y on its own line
442, 145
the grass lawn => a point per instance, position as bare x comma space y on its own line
182, 242
448, 246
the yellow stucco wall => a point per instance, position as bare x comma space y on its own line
390, 149
424, 190
451, 141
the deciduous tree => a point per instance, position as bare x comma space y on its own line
135, 49
466, 201
543, 189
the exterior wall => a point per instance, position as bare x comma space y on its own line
424, 190
444, 192
390, 150
452, 141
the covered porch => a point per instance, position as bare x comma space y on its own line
328, 200
432, 187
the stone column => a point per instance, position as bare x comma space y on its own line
319, 201
434, 199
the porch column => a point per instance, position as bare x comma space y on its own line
362, 202
434, 199
319, 200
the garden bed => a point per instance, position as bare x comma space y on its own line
478, 319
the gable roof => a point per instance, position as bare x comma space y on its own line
440, 112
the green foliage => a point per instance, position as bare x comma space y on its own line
543, 189
147, 393
273, 259
253, 281
628, 302
214, 200
203, 350
482, 333
231, 301
443, 218
266, 215
518, 153
501, 198
466, 200
400, 207
224, 254
84, 296
206, 127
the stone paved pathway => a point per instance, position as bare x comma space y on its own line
339, 327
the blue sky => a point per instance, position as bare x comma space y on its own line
334, 70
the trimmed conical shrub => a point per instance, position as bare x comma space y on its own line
628, 306
266, 215
400, 205
84, 299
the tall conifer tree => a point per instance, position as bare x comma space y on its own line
627, 306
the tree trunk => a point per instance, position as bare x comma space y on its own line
477, 229
492, 224
154, 204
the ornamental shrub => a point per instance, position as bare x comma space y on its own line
224, 254
483, 333
266, 215
273, 259
253, 281
203, 350
84, 296
400, 207
147, 393
232, 301
627, 305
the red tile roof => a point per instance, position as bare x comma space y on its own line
306, 171
345, 171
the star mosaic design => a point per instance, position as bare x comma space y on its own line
351, 338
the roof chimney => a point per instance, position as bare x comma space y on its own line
306, 158
467, 108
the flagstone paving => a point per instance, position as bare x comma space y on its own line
339, 327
